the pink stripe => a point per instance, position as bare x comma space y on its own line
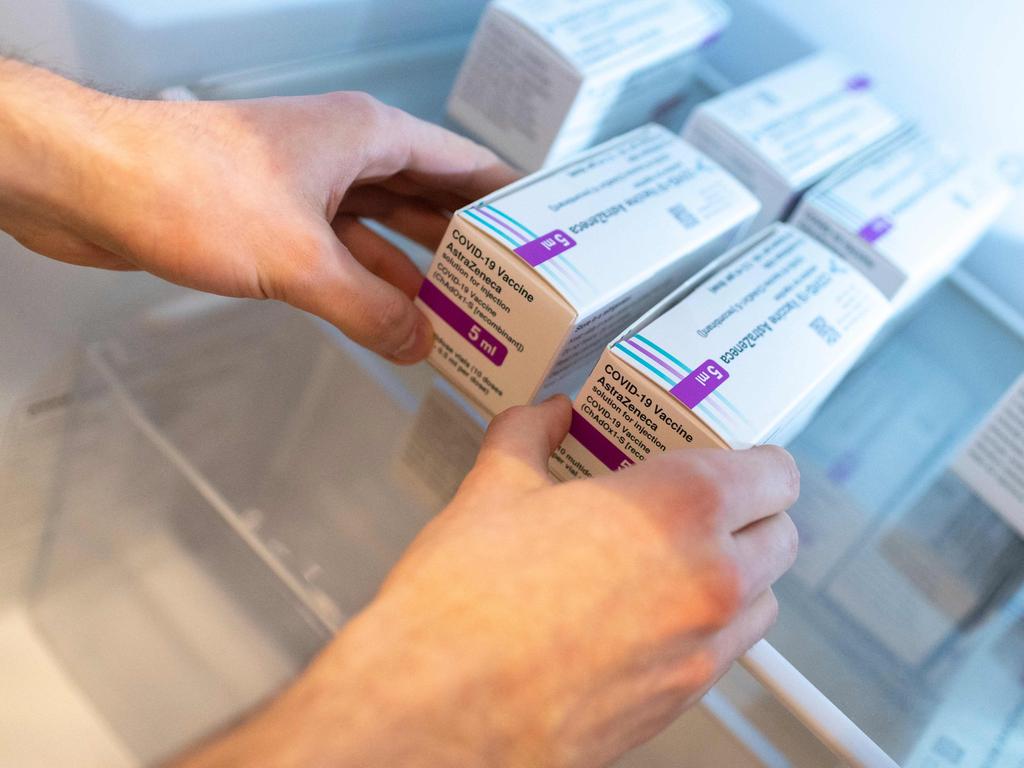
566, 273
655, 358
719, 409
502, 224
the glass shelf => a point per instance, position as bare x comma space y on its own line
905, 577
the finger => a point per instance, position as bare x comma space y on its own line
332, 284
71, 249
379, 255
520, 440
750, 626
733, 488
441, 199
765, 550
410, 217
434, 156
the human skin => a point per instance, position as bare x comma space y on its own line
257, 199
530, 623
542, 624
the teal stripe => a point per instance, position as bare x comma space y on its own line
575, 271
522, 226
654, 346
491, 227
722, 398
553, 276
644, 363
722, 428
708, 415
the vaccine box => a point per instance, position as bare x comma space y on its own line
737, 360
905, 212
783, 132
544, 79
530, 283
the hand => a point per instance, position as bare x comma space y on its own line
256, 199
534, 624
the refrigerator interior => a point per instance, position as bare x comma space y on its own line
199, 499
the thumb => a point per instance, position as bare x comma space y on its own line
334, 285
520, 440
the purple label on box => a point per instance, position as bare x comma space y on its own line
705, 379
591, 438
858, 83
545, 247
711, 39
465, 325
874, 229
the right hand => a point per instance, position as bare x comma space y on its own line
263, 198
536, 624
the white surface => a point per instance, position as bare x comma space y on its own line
44, 719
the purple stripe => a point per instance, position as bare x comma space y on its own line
463, 324
501, 223
591, 438
655, 358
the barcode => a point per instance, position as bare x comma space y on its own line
684, 216
821, 327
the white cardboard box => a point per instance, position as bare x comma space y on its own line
781, 133
730, 363
546, 78
905, 212
530, 283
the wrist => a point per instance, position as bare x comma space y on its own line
52, 141
409, 696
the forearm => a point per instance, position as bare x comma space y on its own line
382, 694
47, 132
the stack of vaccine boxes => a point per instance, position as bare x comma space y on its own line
785, 131
530, 283
905, 212
730, 350
544, 79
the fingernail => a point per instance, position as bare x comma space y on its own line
417, 346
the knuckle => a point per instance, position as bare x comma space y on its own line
772, 611
706, 493
790, 472
502, 420
790, 543
392, 317
723, 591
362, 108
698, 672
